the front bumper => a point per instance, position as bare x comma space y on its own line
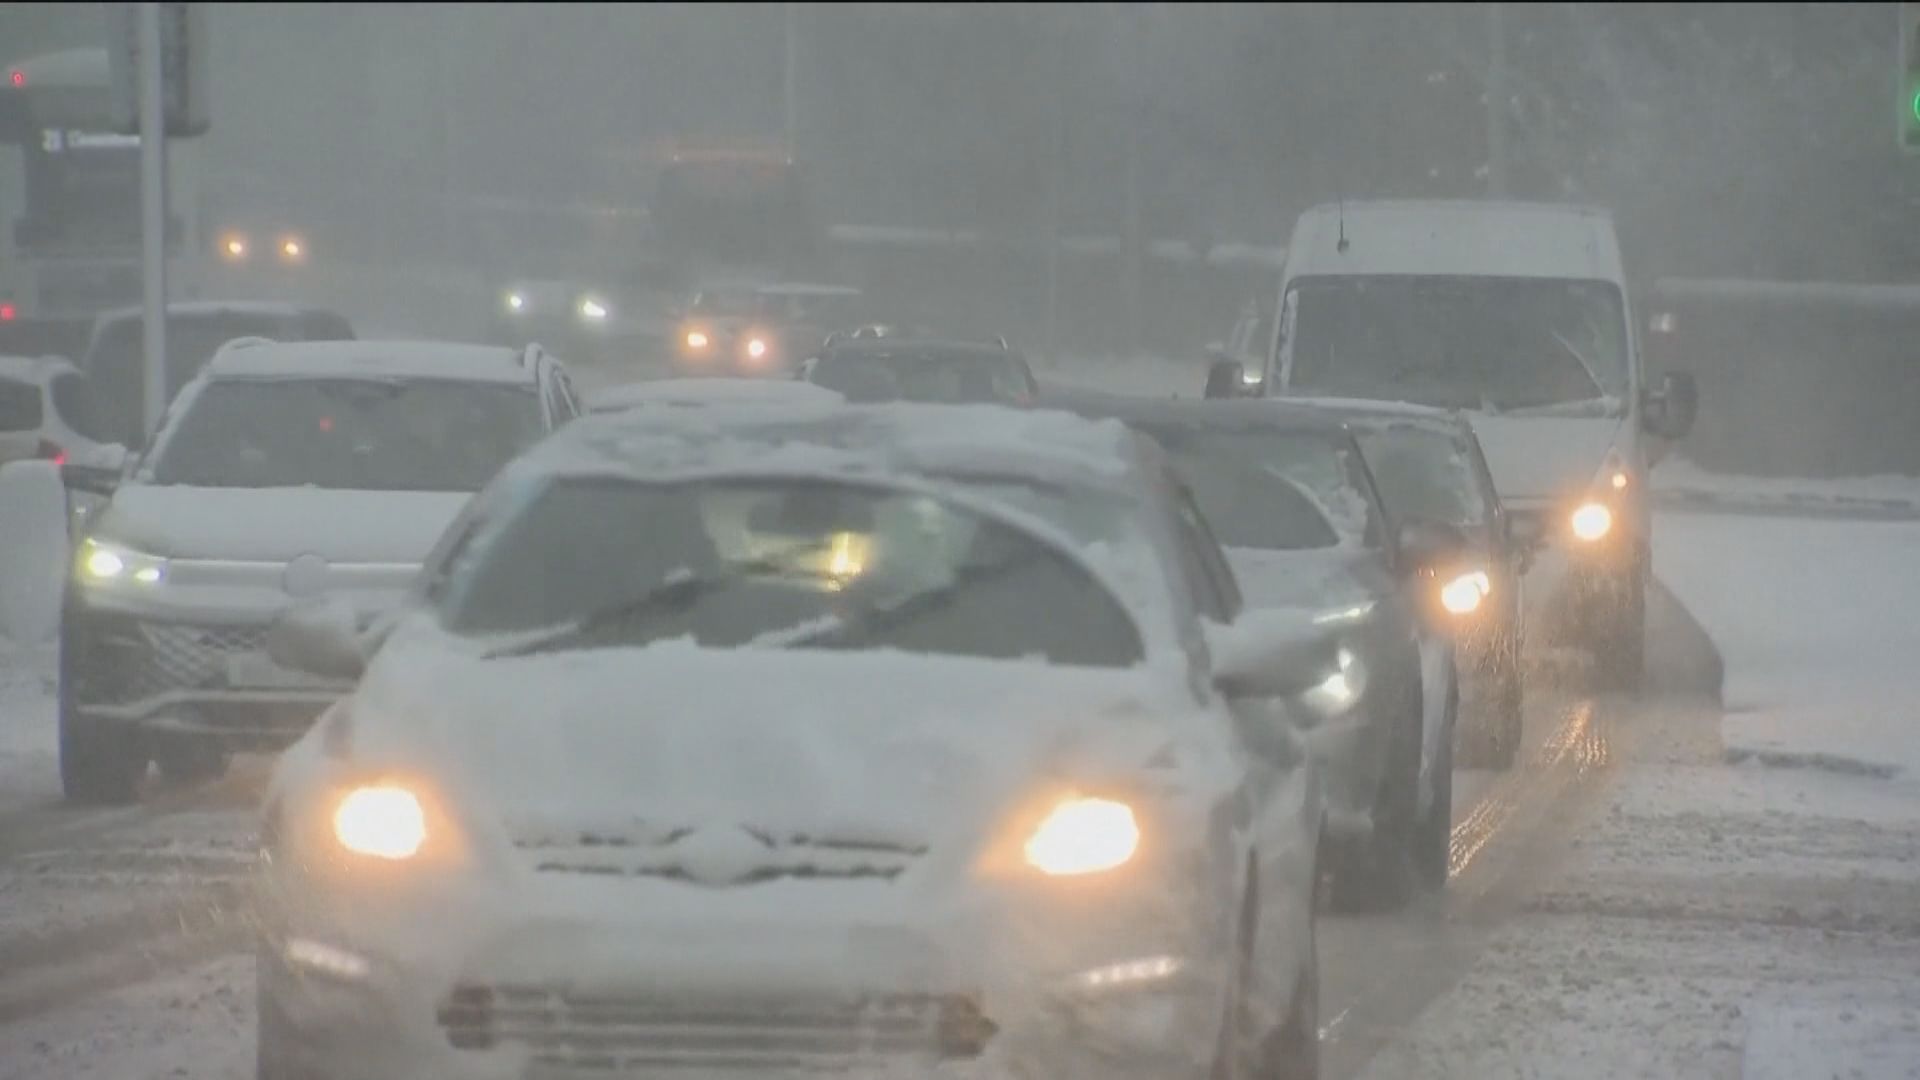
185, 676
713, 994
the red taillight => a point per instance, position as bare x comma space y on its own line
49, 452
7, 312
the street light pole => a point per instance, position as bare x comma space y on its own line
792, 19
1496, 101
153, 215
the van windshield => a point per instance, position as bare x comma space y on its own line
1492, 344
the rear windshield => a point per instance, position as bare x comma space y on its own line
19, 406
357, 434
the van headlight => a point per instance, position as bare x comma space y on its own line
99, 562
1084, 836
593, 309
382, 821
1591, 522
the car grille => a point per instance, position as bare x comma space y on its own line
617, 1030
140, 659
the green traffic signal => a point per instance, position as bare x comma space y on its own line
1915, 105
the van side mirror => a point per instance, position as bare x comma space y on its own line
1671, 410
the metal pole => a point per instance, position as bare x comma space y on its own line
153, 214
1496, 102
792, 19
1057, 167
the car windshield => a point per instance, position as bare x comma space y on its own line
115, 363
924, 375
358, 434
1495, 344
601, 563
1426, 474
1314, 473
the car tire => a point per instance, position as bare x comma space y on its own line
1620, 648
274, 1041
1433, 840
98, 766
1377, 874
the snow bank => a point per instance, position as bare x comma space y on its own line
1818, 622
1679, 481
1793, 1039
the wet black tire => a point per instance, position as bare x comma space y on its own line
1433, 840
1377, 875
98, 765
1620, 645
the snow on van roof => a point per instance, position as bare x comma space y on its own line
369, 359
848, 440
1458, 237
711, 391
209, 308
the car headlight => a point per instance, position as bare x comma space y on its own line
697, 339
1462, 595
1591, 522
1250, 376
1084, 836
593, 309
384, 822
293, 249
1338, 691
756, 347
100, 563
233, 247
515, 302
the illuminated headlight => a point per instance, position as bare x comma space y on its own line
1591, 522
1249, 376
233, 247
1462, 595
515, 302
101, 563
756, 348
381, 822
1337, 692
293, 249
697, 339
1084, 836
593, 309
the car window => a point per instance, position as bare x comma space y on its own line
779, 563
1427, 474
1217, 594
325, 326
73, 403
19, 405
1316, 470
360, 434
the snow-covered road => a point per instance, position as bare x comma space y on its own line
1660, 890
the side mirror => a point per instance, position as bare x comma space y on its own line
321, 638
1270, 653
1672, 409
1425, 544
1225, 379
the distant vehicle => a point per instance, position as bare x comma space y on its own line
1238, 362
879, 369
877, 744
282, 471
759, 329
705, 393
115, 360
1289, 493
44, 410
1428, 464
1519, 314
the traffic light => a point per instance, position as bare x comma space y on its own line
1909, 100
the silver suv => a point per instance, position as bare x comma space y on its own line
281, 472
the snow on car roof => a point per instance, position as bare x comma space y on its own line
205, 308
696, 392
33, 368
1264, 412
370, 359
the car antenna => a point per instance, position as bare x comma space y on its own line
1340, 210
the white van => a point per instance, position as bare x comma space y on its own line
1518, 315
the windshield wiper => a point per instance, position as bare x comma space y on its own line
860, 625
676, 592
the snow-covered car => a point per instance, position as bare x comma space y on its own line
702, 393
282, 471
44, 410
1288, 492
1428, 464
878, 369
883, 740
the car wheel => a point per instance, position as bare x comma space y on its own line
1433, 840
1293, 1052
1377, 874
98, 765
191, 761
274, 1042
1620, 648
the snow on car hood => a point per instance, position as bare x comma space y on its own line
889, 748
1541, 457
277, 524
1320, 579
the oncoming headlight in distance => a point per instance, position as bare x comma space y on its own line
293, 249
593, 309
101, 563
233, 247
1462, 595
1591, 522
697, 339
514, 301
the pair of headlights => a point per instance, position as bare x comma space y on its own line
699, 341
1079, 836
102, 563
589, 308
235, 247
